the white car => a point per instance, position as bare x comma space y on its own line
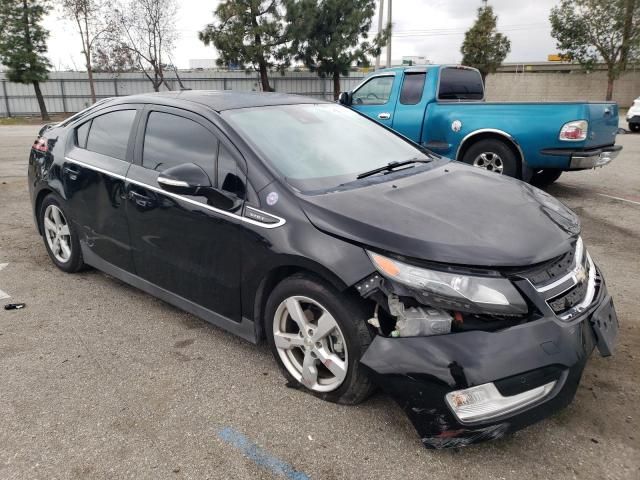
633, 116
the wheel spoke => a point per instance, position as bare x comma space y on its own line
297, 314
309, 370
326, 324
333, 363
49, 225
55, 213
56, 245
64, 247
287, 341
65, 230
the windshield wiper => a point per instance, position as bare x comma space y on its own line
389, 167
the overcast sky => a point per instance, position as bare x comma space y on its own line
431, 28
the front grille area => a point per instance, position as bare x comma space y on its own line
567, 283
552, 270
568, 299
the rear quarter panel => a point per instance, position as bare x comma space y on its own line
534, 126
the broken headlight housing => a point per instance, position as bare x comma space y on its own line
486, 294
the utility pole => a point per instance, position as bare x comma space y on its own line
390, 35
380, 26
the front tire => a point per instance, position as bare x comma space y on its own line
317, 336
493, 155
60, 237
634, 127
545, 177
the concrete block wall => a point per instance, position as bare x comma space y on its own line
561, 86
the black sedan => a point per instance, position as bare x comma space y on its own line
361, 258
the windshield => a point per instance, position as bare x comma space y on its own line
317, 146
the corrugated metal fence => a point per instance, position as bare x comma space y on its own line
69, 91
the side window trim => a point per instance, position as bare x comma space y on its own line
368, 80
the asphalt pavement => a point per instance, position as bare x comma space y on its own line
101, 381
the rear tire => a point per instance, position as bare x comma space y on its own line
329, 366
59, 235
545, 177
634, 127
493, 155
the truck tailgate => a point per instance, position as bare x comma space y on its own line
603, 124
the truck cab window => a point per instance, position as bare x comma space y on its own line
460, 84
412, 88
375, 92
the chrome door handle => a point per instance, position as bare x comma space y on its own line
384, 116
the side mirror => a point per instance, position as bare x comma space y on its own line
190, 179
345, 98
185, 179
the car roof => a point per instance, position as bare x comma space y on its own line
220, 100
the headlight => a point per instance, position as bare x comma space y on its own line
491, 294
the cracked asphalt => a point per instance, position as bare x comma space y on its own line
101, 381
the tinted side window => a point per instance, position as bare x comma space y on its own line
375, 92
82, 132
229, 175
412, 88
109, 133
171, 140
460, 84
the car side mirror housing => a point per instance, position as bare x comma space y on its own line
190, 179
184, 179
345, 98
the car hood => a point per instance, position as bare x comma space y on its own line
451, 213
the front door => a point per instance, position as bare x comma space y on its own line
375, 98
181, 243
93, 174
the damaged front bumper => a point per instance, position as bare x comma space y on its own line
418, 372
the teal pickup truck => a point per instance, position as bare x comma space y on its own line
443, 109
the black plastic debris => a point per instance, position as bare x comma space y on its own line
14, 306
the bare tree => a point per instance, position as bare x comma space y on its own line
90, 19
147, 29
113, 57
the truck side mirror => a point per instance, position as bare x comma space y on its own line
345, 98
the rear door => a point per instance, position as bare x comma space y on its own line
376, 98
181, 243
93, 173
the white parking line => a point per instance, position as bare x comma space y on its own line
3, 294
618, 198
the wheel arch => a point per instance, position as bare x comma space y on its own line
492, 133
38, 203
276, 275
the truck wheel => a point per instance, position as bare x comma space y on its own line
545, 177
493, 155
634, 127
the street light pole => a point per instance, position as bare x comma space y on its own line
380, 24
389, 44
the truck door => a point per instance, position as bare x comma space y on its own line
376, 98
409, 114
